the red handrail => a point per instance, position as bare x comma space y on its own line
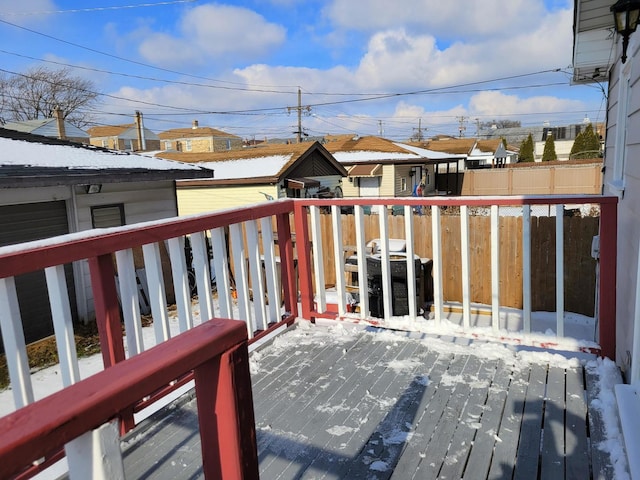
217, 353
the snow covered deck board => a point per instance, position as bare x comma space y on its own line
334, 404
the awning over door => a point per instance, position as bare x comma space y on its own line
302, 183
374, 170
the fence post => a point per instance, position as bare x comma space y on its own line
607, 286
225, 416
105, 301
287, 261
304, 259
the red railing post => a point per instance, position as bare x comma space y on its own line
105, 300
225, 416
303, 246
287, 270
607, 287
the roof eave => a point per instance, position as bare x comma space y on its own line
102, 177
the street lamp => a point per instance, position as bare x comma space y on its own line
626, 14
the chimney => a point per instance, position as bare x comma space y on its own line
57, 113
194, 124
142, 144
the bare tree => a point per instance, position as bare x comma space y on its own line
39, 91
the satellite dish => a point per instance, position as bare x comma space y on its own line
337, 192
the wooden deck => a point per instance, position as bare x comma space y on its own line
335, 403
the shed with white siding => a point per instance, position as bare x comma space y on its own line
51, 187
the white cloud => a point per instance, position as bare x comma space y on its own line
214, 33
497, 104
468, 18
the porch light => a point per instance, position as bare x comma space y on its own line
625, 15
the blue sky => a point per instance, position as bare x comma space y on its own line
363, 66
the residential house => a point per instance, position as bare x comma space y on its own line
132, 137
599, 56
50, 127
253, 175
563, 135
198, 139
55, 127
478, 153
51, 187
378, 167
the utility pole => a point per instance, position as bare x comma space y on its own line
299, 109
461, 125
419, 136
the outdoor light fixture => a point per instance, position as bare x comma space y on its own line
625, 14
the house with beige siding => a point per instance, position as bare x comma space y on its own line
257, 174
129, 138
478, 153
198, 139
378, 167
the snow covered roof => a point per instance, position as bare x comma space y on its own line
380, 150
267, 163
47, 127
33, 160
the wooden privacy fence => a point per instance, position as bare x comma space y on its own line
579, 265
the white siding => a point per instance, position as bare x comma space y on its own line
628, 208
143, 202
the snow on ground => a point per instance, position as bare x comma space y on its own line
48, 380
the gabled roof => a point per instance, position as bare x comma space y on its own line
489, 146
454, 146
109, 130
193, 133
351, 151
34, 160
47, 127
124, 132
265, 163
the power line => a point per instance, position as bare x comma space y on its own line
141, 77
142, 64
97, 9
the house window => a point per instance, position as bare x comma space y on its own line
105, 216
403, 184
187, 145
228, 144
105, 144
167, 145
128, 145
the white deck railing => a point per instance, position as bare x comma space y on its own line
315, 304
